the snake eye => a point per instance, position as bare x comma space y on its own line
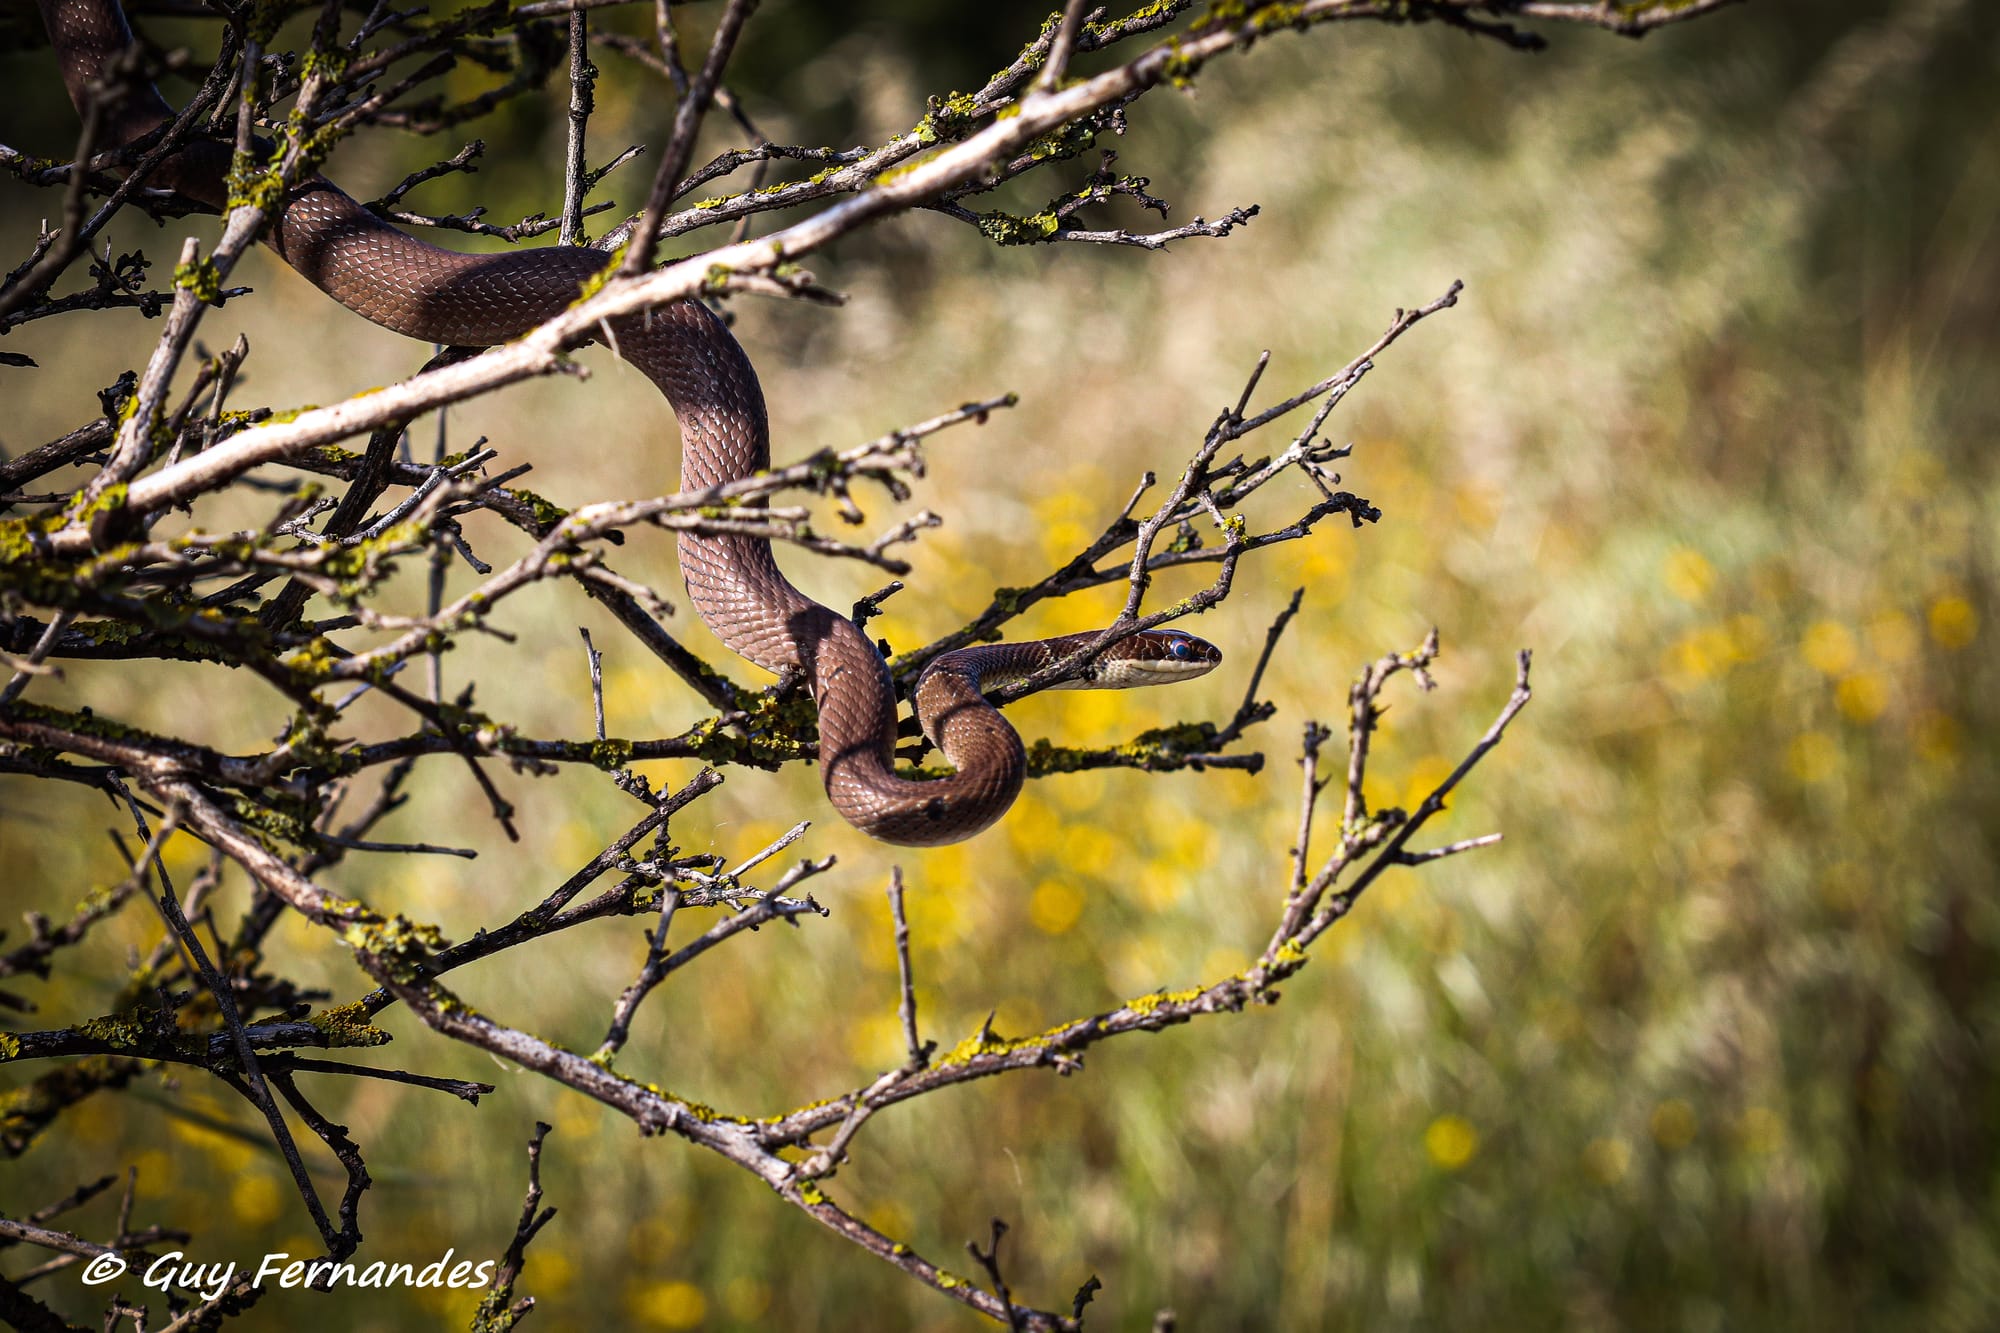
1180, 650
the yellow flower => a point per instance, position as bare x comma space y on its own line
1762, 1130
1090, 849
553, 1270
1937, 736
1828, 647
1687, 574
1032, 825
877, 1040
1160, 888
1862, 696
1749, 637
1062, 539
576, 1118
155, 1169
1055, 906
654, 1235
1954, 622
889, 1217
1698, 655
1673, 1124
670, 1304
1607, 1160
1187, 844
1450, 1141
1429, 771
1223, 961
746, 1299
1814, 757
1892, 637
256, 1199
1326, 560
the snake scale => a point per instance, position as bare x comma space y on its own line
441, 296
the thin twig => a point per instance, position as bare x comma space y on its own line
582, 83
687, 124
499, 1309
596, 678
906, 1002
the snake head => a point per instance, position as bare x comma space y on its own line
1159, 657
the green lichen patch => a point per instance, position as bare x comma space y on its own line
1159, 748
947, 119
402, 944
84, 723
121, 1032
281, 823
313, 660
776, 732
702, 1111
611, 753
594, 284
201, 277
348, 1025
250, 184
1011, 229
546, 513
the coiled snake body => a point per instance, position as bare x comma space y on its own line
736, 587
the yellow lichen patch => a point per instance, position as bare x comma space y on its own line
1147, 1004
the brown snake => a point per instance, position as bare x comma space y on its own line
442, 296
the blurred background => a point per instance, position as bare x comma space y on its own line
1708, 1042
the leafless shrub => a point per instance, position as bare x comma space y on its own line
104, 568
